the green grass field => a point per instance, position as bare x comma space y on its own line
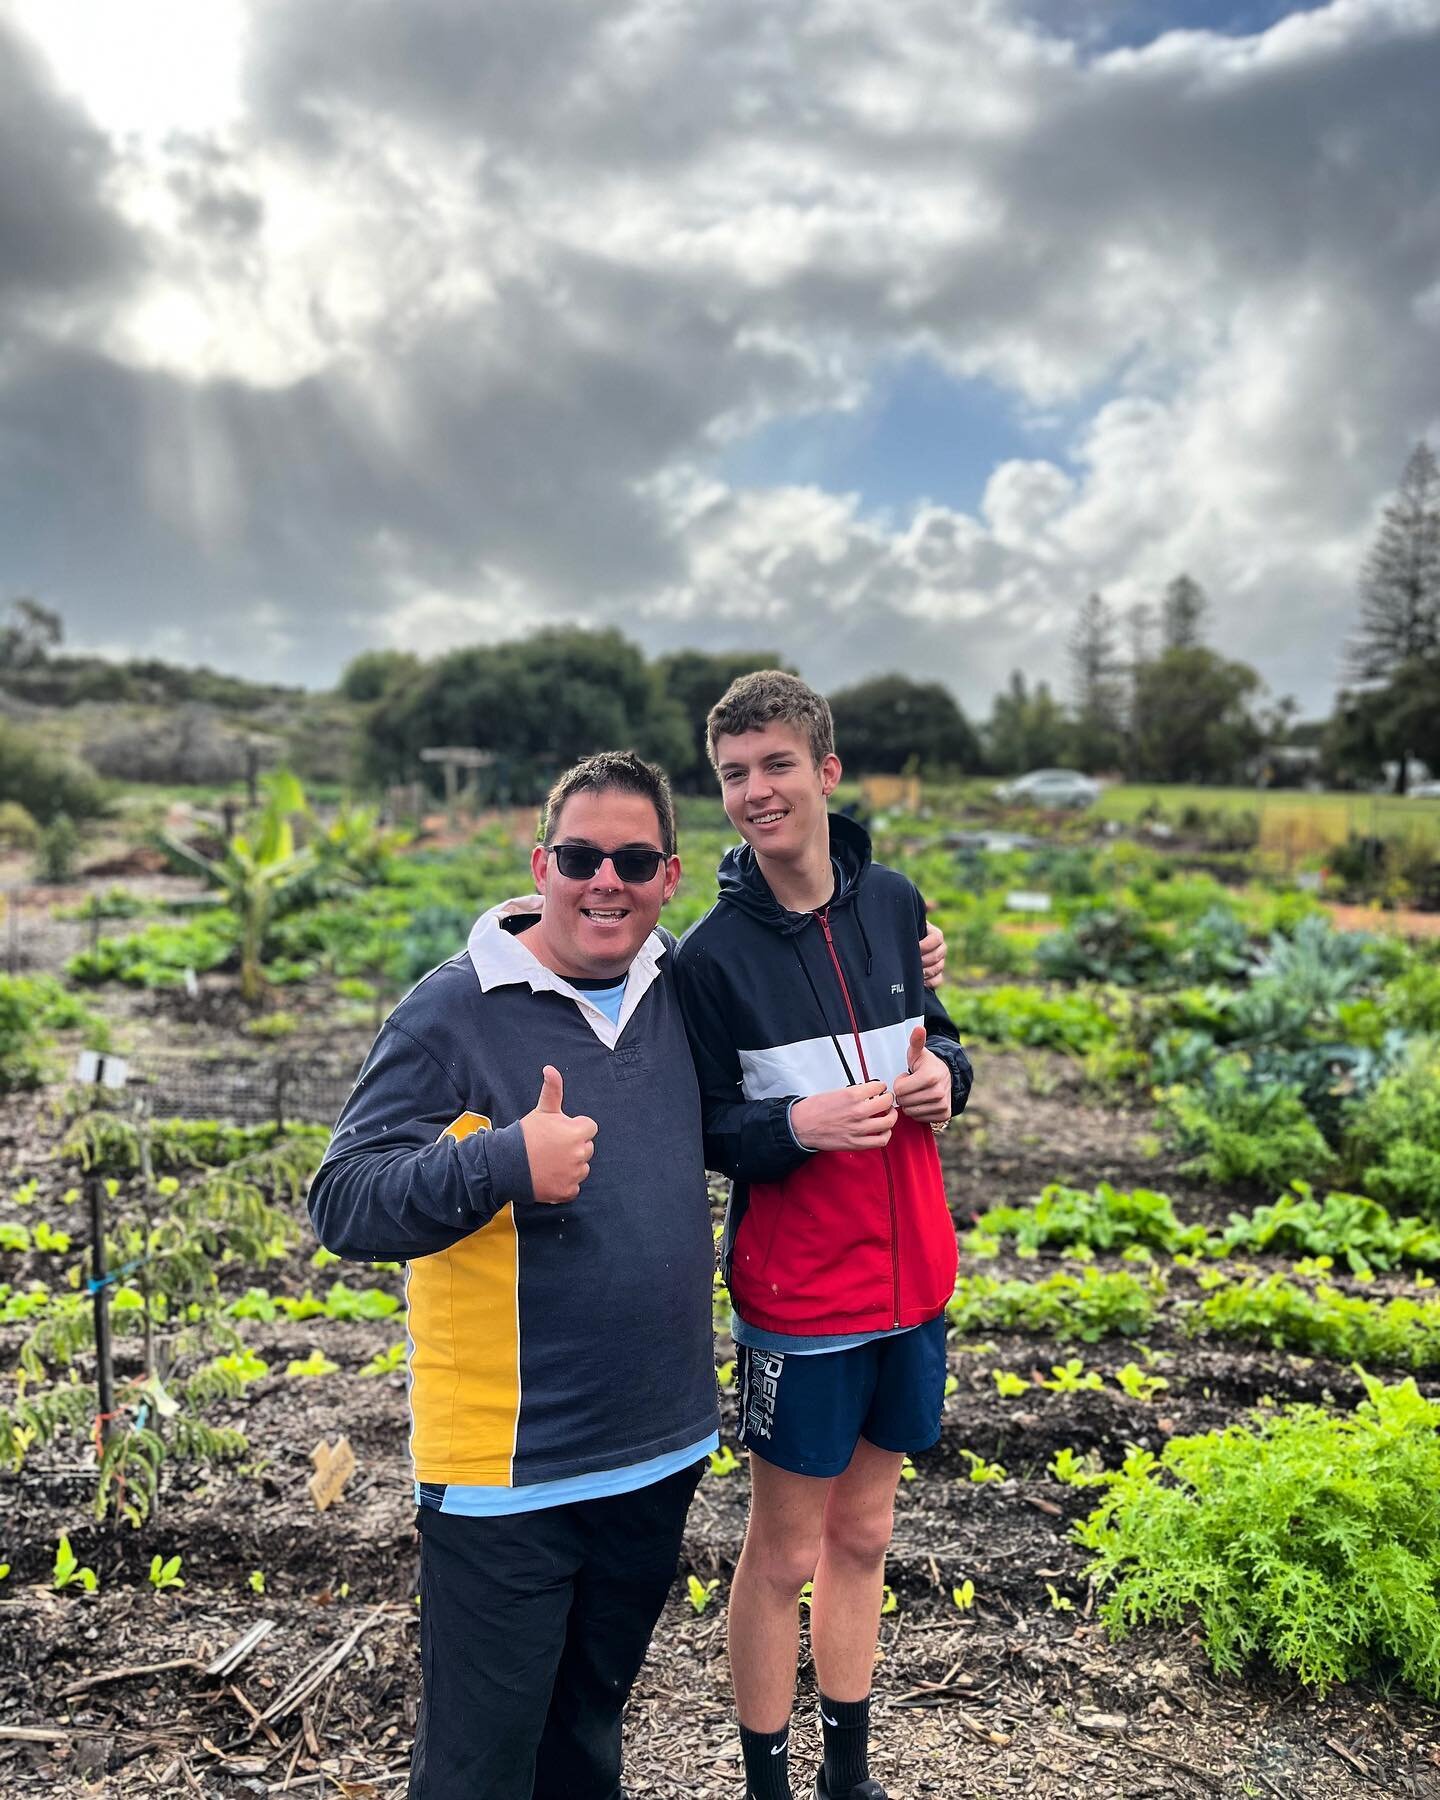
1289, 818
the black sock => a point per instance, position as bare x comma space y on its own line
767, 1763
845, 1727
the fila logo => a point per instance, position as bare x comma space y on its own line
897, 987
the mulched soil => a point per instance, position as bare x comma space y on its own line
1013, 1697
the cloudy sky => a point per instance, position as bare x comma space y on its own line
877, 332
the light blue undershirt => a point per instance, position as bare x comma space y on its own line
496, 1502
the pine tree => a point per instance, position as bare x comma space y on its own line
1400, 582
1398, 645
1182, 612
1095, 666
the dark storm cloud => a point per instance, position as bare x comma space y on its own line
57, 232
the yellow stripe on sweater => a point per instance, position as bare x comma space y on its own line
465, 1363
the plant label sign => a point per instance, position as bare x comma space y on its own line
109, 1071
1025, 900
333, 1468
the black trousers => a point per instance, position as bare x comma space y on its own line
533, 1628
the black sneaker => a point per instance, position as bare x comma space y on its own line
863, 1790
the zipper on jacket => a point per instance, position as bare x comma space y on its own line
823, 917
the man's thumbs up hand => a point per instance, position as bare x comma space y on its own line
559, 1148
923, 1092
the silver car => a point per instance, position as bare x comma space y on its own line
1049, 788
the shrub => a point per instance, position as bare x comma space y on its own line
31, 1007
1245, 1129
58, 846
42, 783
18, 830
1309, 1538
1112, 943
1392, 1136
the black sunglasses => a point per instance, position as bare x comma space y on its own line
580, 862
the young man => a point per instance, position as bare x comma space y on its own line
825, 1070
526, 1132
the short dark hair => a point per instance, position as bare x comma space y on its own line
613, 769
769, 696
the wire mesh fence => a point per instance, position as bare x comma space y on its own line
243, 1090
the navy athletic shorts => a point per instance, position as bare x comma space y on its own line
806, 1413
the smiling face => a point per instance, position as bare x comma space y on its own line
592, 929
775, 793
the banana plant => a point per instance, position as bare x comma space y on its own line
254, 872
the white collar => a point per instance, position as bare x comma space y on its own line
501, 959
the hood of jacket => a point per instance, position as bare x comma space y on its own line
743, 885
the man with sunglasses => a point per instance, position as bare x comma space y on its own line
526, 1134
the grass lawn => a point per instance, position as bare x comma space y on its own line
1289, 818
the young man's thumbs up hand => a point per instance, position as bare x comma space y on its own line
559, 1147
923, 1092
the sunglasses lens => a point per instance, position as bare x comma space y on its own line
636, 865
580, 862
577, 862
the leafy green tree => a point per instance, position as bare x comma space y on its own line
539, 704
1393, 723
1182, 614
1398, 645
32, 633
1193, 717
884, 724
1099, 734
374, 672
1026, 730
695, 680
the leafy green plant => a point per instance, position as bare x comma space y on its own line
1137, 1384
1089, 1305
1243, 1129
316, 1363
1078, 1021
68, 1572
723, 1461
165, 1573
1345, 1327
1308, 1537
1072, 1377
1076, 1471
1392, 1137
982, 1471
1344, 1225
255, 872
1009, 1386
1110, 943
701, 1593
1107, 1219
386, 1362
57, 849
964, 1595
255, 1581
